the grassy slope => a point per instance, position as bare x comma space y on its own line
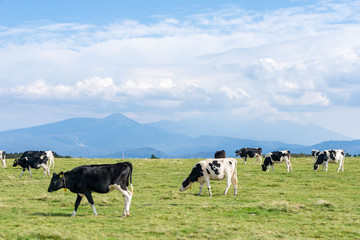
300, 205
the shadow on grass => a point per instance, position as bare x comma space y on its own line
51, 214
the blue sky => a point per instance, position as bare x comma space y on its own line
168, 60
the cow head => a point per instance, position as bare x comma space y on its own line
186, 184
323, 156
267, 162
16, 162
57, 182
194, 176
241, 153
263, 167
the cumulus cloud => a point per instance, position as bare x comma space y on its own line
263, 63
236, 93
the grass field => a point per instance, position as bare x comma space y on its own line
279, 205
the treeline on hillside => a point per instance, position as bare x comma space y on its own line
18, 155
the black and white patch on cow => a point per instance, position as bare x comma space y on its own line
244, 153
315, 154
51, 158
212, 169
220, 154
277, 157
103, 178
32, 159
332, 156
3, 158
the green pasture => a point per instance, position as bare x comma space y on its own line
277, 205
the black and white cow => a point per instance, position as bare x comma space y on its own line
51, 158
220, 154
250, 152
277, 157
333, 156
315, 154
2, 157
96, 178
213, 169
32, 159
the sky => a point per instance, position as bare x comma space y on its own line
295, 60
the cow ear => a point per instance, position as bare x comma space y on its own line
61, 174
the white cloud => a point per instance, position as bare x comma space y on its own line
298, 58
311, 99
236, 93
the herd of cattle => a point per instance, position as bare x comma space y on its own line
104, 178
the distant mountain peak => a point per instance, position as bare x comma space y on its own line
117, 116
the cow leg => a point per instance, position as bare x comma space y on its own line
3, 163
256, 157
245, 159
272, 166
77, 203
127, 196
46, 169
235, 183
22, 172
288, 166
200, 188
208, 186
326, 166
30, 172
91, 201
228, 184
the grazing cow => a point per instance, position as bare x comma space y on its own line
2, 157
96, 178
249, 152
333, 156
277, 157
315, 154
213, 169
50, 156
220, 154
32, 159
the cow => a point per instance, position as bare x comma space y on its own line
220, 154
315, 154
50, 156
277, 157
2, 157
250, 152
213, 169
333, 156
103, 178
32, 159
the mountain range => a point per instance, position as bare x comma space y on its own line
117, 136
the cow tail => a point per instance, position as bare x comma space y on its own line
130, 177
